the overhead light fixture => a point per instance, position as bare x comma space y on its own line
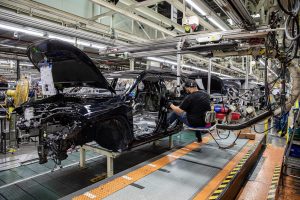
62, 38
83, 43
91, 45
21, 30
196, 7
98, 46
216, 23
202, 12
261, 62
185, 65
26, 64
162, 60
256, 15
40, 34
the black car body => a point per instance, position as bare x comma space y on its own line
89, 108
218, 93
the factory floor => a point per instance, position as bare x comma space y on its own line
30, 180
35, 181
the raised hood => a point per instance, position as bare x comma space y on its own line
70, 66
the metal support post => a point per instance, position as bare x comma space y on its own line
179, 60
18, 70
110, 166
82, 157
272, 125
2, 134
148, 64
243, 63
132, 26
209, 77
131, 67
12, 130
247, 74
171, 142
110, 155
183, 12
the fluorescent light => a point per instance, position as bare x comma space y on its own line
258, 83
261, 62
84, 43
193, 67
196, 7
230, 21
21, 30
26, 64
202, 12
62, 38
98, 46
11, 46
162, 60
216, 23
184, 65
256, 15
88, 44
272, 72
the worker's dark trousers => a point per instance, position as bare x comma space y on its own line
198, 135
182, 117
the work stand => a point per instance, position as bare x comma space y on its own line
110, 155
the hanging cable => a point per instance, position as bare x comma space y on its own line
291, 28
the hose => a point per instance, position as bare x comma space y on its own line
245, 124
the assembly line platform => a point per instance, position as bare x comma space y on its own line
195, 171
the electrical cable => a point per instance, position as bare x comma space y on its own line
225, 147
262, 131
291, 28
222, 137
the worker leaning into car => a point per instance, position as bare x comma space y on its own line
193, 108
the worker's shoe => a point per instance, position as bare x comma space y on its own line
199, 139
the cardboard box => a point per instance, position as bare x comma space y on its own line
250, 136
246, 130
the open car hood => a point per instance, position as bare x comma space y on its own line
70, 66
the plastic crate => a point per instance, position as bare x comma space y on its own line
295, 151
297, 133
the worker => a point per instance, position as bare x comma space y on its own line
192, 110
